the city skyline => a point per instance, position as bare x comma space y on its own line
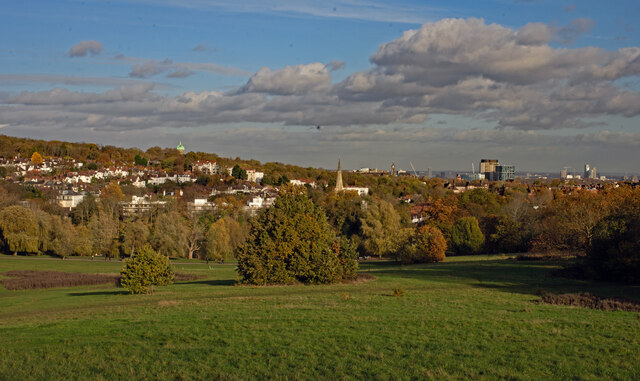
537, 84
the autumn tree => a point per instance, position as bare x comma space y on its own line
169, 235
104, 233
19, 228
218, 245
134, 235
112, 191
36, 159
426, 244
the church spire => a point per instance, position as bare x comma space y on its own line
339, 186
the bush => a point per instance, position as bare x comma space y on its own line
466, 236
426, 245
146, 269
293, 242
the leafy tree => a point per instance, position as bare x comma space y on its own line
104, 233
292, 242
112, 191
466, 236
19, 228
82, 242
36, 159
427, 244
61, 236
194, 237
145, 269
135, 234
170, 235
83, 212
139, 160
218, 241
382, 230
614, 251
239, 173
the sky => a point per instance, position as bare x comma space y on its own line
440, 84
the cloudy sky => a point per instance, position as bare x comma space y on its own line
535, 83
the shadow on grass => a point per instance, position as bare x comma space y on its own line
97, 293
530, 278
212, 282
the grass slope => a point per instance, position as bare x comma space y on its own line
464, 319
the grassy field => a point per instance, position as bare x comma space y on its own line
468, 318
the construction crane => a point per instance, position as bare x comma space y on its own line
414, 170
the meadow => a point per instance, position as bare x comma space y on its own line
466, 318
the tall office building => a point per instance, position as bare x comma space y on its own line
488, 168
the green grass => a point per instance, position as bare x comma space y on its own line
468, 318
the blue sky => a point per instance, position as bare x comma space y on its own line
539, 84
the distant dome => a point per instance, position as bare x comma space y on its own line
180, 147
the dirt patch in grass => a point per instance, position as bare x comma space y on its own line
31, 279
589, 300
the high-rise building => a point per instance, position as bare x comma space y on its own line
587, 171
563, 174
505, 172
393, 169
488, 168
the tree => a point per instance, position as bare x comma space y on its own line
145, 269
36, 159
139, 160
194, 236
112, 191
135, 234
293, 242
82, 243
104, 233
170, 235
427, 244
466, 236
19, 228
218, 241
381, 229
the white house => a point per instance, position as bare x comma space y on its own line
207, 167
362, 191
69, 199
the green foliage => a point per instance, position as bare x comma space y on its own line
427, 244
293, 242
466, 236
145, 269
614, 253
139, 160
239, 173
382, 230
20, 230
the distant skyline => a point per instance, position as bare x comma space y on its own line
534, 83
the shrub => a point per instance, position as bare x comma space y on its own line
466, 236
293, 242
146, 269
426, 245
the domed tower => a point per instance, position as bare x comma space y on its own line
180, 148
